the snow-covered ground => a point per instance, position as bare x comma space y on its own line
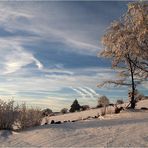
92, 113
129, 128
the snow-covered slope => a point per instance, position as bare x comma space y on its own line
91, 113
124, 129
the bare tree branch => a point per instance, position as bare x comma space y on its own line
117, 83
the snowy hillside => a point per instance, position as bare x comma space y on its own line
128, 128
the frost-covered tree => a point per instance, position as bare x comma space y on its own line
136, 25
103, 101
125, 44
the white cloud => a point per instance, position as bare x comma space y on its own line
61, 71
92, 91
79, 92
14, 57
38, 63
52, 82
86, 93
46, 26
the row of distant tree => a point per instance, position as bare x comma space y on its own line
103, 101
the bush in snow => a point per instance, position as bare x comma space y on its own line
29, 117
8, 114
18, 115
119, 102
64, 110
85, 107
46, 112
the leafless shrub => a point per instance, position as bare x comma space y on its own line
18, 115
84, 107
119, 102
8, 114
64, 110
46, 112
118, 109
29, 117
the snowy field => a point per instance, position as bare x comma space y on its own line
129, 128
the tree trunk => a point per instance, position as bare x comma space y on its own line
132, 102
105, 109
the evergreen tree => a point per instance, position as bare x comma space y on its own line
75, 106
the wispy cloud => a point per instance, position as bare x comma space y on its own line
14, 57
79, 92
86, 92
92, 91
52, 82
46, 26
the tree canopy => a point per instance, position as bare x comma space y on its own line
128, 38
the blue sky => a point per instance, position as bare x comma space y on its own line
48, 53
